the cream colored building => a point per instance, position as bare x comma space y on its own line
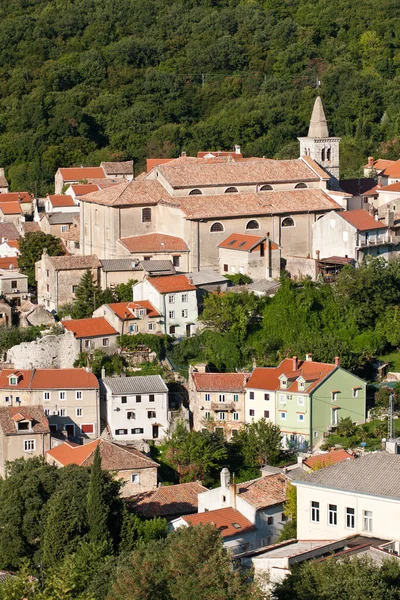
24, 433
253, 255
70, 397
129, 318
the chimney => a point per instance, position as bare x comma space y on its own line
371, 162
232, 493
183, 153
1, 172
309, 357
225, 478
380, 181
337, 361
103, 372
317, 253
295, 363
237, 149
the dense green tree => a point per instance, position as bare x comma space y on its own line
134, 530
99, 360
260, 443
87, 295
123, 291
97, 509
31, 248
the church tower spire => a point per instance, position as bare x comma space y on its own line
319, 146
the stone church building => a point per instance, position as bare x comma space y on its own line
201, 201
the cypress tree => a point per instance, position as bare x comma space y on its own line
85, 297
97, 509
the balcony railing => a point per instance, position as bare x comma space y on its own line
223, 406
374, 241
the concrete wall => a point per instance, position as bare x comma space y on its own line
300, 267
259, 405
13, 447
123, 327
147, 481
50, 351
333, 236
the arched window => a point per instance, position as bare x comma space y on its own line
323, 154
288, 222
253, 224
328, 154
146, 215
300, 186
195, 192
215, 227
320, 217
266, 188
231, 190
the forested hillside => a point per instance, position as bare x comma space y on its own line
85, 80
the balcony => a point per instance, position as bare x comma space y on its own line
223, 406
374, 240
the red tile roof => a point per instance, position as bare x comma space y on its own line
9, 415
267, 378
223, 519
392, 169
44, 379
380, 164
13, 243
123, 312
16, 197
153, 162
5, 263
220, 154
171, 283
143, 192
310, 162
220, 382
59, 200
329, 458
154, 242
393, 187
81, 173
244, 242
80, 189
113, 456
263, 492
93, 327
361, 220
168, 500
10, 208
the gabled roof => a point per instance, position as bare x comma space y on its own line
6, 263
168, 500
393, 187
119, 264
140, 384
123, 312
10, 208
9, 231
380, 164
171, 283
30, 226
375, 473
328, 458
267, 378
144, 192
80, 189
228, 520
154, 242
263, 492
16, 197
158, 266
220, 382
44, 379
392, 170
62, 218
59, 200
315, 167
153, 162
81, 173
66, 263
87, 328
361, 220
244, 242
113, 456
118, 168
35, 414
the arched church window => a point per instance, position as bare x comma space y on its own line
323, 154
288, 222
216, 227
231, 190
300, 186
328, 154
253, 224
146, 215
195, 192
266, 188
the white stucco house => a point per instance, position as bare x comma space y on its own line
175, 298
136, 408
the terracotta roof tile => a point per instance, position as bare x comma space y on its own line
224, 382
59, 200
65, 263
43, 379
168, 500
228, 520
380, 164
361, 220
391, 170
5, 263
81, 173
10, 208
267, 378
153, 162
171, 283
9, 231
144, 192
35, 414
123, 312
16, 197
329, 458
30, 226
263, 492
93, 327
80, 189
310, 162
154, 242
244, 242
393, 187
118, 168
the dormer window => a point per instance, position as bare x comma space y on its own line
301, 383
13, 378
23, 426
141, 312
284, 383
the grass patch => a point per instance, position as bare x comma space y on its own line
393, 359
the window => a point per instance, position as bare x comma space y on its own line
47, 273
270, 521
172, 329
231, 190
130, 415
221, 416
151, 398
74, 288
288, 222
335, 416
221, 398
207, 397
53, 428
141, 312
301, 385
78, 395
367, 520
334, 396
236, 397
184, 297
215, 227
13, 381
283, 416
300, 400
62, 395
266, 188
121, 432
195, 192
282, 399
14, 285
29, 445
176, 261
266, 414
151, 326
87, 343
78, 412
350, 518
323, 154
252, 412
300, 186
171, 314
207, 414
146, 215
328, 154
133, 328
62, 412
171, 299
355, 392
226, 269
284, 517
267, 397
251, 395
124, 399
236, 416
24, 426
137, 430
135, 478
315, 512
300, 417
184, 313
316, 434
253, 224
106, 341
151, 414
63, 228
138, 398
332, 514
47, 288
47, 412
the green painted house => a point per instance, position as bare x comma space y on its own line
306, 399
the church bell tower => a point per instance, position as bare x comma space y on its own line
319, 146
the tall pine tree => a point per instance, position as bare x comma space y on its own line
97, 507
85, 297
